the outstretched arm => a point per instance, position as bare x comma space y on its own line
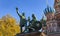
17, 12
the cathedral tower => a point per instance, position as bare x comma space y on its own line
51, 22
57, 14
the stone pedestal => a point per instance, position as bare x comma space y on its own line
30, 34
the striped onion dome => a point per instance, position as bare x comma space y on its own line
48, 10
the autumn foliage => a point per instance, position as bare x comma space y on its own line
8, 26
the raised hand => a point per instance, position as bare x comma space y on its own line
16, 9
18, 12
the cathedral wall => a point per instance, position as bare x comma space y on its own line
52, 26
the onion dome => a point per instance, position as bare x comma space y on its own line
48, 10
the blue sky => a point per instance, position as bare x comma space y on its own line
27, 6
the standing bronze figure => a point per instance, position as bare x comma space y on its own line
23, 21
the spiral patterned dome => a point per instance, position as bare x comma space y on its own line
48, 10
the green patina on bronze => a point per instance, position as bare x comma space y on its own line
33, 26
23, 21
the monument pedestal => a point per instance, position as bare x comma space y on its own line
30, 34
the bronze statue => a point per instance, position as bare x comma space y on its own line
29, 25
34, 25
23, 21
